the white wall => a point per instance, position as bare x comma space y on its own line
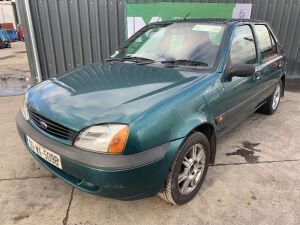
6, 13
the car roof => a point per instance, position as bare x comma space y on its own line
211, 20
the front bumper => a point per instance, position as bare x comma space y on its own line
116, 176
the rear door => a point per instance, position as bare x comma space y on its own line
241, 92
271, 61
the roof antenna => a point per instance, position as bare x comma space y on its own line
187, 15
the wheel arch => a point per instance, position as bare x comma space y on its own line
209, 131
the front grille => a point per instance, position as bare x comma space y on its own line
51, 127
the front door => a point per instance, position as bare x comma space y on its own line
241, 94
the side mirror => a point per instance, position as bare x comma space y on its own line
241, 70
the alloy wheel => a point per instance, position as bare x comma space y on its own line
276, 97
192, 169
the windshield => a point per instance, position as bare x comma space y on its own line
180, 42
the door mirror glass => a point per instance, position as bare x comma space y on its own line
241, 70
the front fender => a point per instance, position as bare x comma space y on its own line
171, 120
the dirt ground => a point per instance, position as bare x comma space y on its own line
14, 59
14, 70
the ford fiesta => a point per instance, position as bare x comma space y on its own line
146, 120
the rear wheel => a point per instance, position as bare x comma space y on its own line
273, 101
188, 170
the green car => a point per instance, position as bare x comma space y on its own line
146, 120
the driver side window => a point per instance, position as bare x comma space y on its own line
243, 50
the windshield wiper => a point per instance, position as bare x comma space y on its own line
113, 59
184, 62
136, 58
130, 58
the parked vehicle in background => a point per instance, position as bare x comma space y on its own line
5, 41
10, 31
12, 34
7, 26
146, 120
2, 44
20, 32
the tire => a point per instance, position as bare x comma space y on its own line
173, 191
273, 101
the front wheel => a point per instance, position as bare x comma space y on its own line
188, 170
273, 101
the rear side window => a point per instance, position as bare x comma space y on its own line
266, 41
243, 49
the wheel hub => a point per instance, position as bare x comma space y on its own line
192, 169
276, 97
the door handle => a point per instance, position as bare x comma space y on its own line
258, 76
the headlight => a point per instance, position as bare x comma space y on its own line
106, 138
24, 108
